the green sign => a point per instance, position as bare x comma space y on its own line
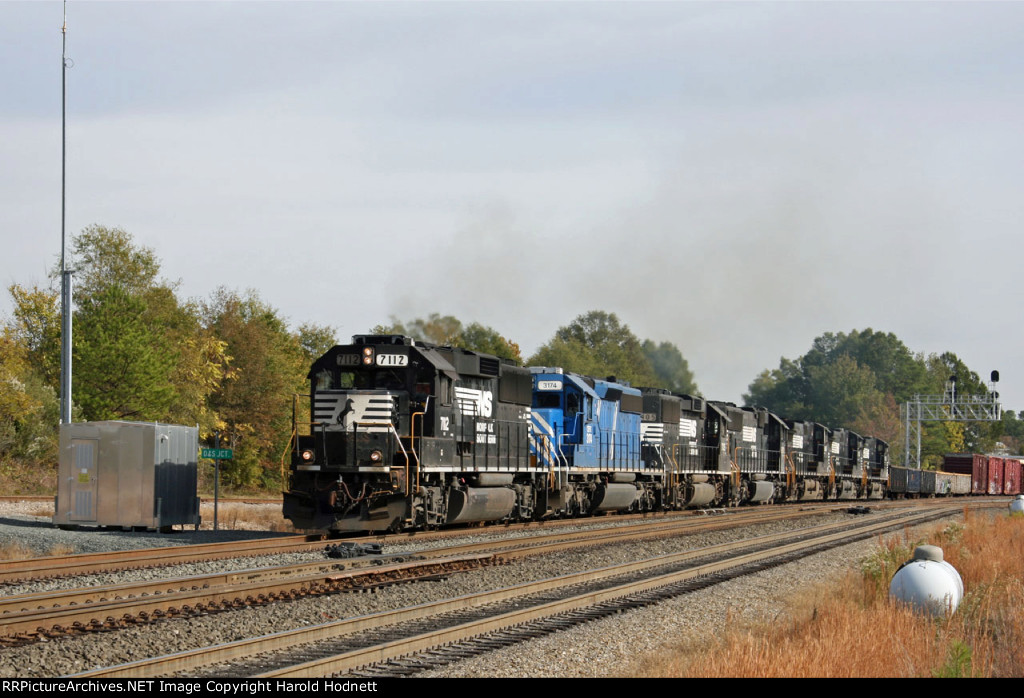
221, 453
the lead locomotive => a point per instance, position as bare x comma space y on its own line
405, 434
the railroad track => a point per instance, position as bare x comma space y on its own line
54, 567
407, 640
27, 618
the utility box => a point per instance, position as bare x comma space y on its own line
127, 474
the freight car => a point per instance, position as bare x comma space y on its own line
403, 434
961, 474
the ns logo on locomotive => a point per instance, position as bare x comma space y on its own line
402, 434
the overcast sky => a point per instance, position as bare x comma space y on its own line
736, 178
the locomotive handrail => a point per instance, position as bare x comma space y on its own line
790, 472
560, 442
563, 460
412, 446
671, 458
287, 449
398, 439
544, 448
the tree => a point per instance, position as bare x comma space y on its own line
840, 375
896, 369
597, 344
880, 417
477, 337
28, 407
35, 326
672, 370
316, 340
104, 257
448, 330
269, 367
858, 380
110, 266
435, 328
122, 361
840, 390
956, 437
783, 390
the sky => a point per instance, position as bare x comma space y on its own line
737, 178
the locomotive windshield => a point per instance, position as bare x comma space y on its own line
548, 400
381, 379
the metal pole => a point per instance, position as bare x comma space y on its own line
65, 275
65, 352
906, 435
216, 479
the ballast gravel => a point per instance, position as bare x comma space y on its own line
606, 647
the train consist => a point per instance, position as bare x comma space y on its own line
402, 434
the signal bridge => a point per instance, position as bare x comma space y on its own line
948, 407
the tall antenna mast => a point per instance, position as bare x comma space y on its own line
65, 274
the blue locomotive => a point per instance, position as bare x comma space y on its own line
400, 434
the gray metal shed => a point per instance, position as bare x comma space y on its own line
127, 474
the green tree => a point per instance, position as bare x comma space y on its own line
672, 370
598, 344
880, 417
859, 380
123, 362
783, 390
447, 330
955, 437
193, 360
477, 337
316, 340
28, 407
269, 366
201, 365
840, 390
35, 326
104, 257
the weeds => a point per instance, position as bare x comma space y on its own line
850, 629
19, 551
958, 663
240, 516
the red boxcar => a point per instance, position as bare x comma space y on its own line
973, 464
995, 475
1011, 475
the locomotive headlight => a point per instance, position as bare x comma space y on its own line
375, 456
367, 355
307, 455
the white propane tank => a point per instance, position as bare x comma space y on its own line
928, 583
1017, 504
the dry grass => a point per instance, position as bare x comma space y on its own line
849, 628
241, 516
17, 551
27, 478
